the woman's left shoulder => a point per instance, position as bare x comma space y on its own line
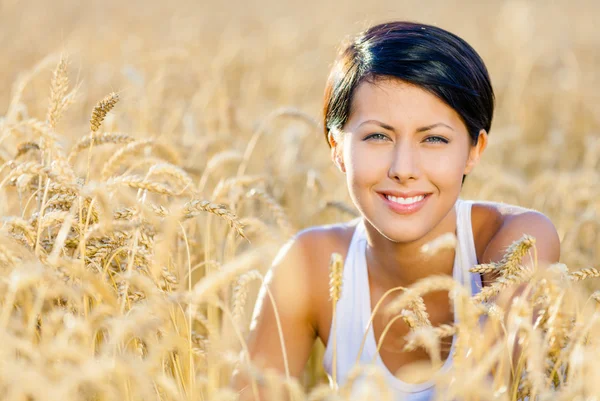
497, 225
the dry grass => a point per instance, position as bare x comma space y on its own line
135, 234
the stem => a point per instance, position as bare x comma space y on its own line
280, 332
36, 310
192, 370
334, 368
212, 313
130, 268
42, 207
89, 160
7, 307
243, 344
175, 361
364, 339
383, 334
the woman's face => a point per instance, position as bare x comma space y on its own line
404, 152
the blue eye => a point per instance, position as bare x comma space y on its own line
436, 139
376, 136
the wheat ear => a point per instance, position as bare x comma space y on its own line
511, 262
101, 110
415, 319
428, 284
111, 165
138, 182
584, 273
444, 241
194, 207
413, 340
24, 147
96, 138
58, 89
241, 293
502, 283
484, 268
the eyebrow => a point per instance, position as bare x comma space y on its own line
420, 129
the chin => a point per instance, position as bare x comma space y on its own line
400, 232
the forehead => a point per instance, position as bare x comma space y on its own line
399, 103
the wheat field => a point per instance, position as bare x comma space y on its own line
154, 157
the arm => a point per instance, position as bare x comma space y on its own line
284, 312
548, 252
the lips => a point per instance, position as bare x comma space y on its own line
406, 203
400, 194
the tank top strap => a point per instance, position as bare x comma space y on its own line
350, 307
466, 252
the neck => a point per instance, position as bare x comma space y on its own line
402, 264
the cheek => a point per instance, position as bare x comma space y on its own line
448, 165
364, 166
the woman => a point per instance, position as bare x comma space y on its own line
407, 114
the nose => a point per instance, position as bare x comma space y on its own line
405, 163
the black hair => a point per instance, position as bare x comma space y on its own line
423, 55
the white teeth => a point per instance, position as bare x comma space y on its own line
406, 201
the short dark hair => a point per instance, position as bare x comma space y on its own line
423, 55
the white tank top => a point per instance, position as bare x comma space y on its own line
354, 308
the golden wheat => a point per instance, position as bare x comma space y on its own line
98, 139
336, 269
101, 110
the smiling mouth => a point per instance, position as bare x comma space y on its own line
405, 201
405, 205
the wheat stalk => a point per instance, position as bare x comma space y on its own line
275, 208
17, 224
138, 182
444, 241
421, 287
24, 147
500, 284
336, 269
119, 156
175, 172
59, 98
209, 286
194, 207
96, 138
511, 262
101, 110
485, 268
414, 340
218, 160
241, 293
585, 273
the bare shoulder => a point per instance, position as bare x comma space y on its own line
316, 244
290, 311
304, 261
325, 237
497, 225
